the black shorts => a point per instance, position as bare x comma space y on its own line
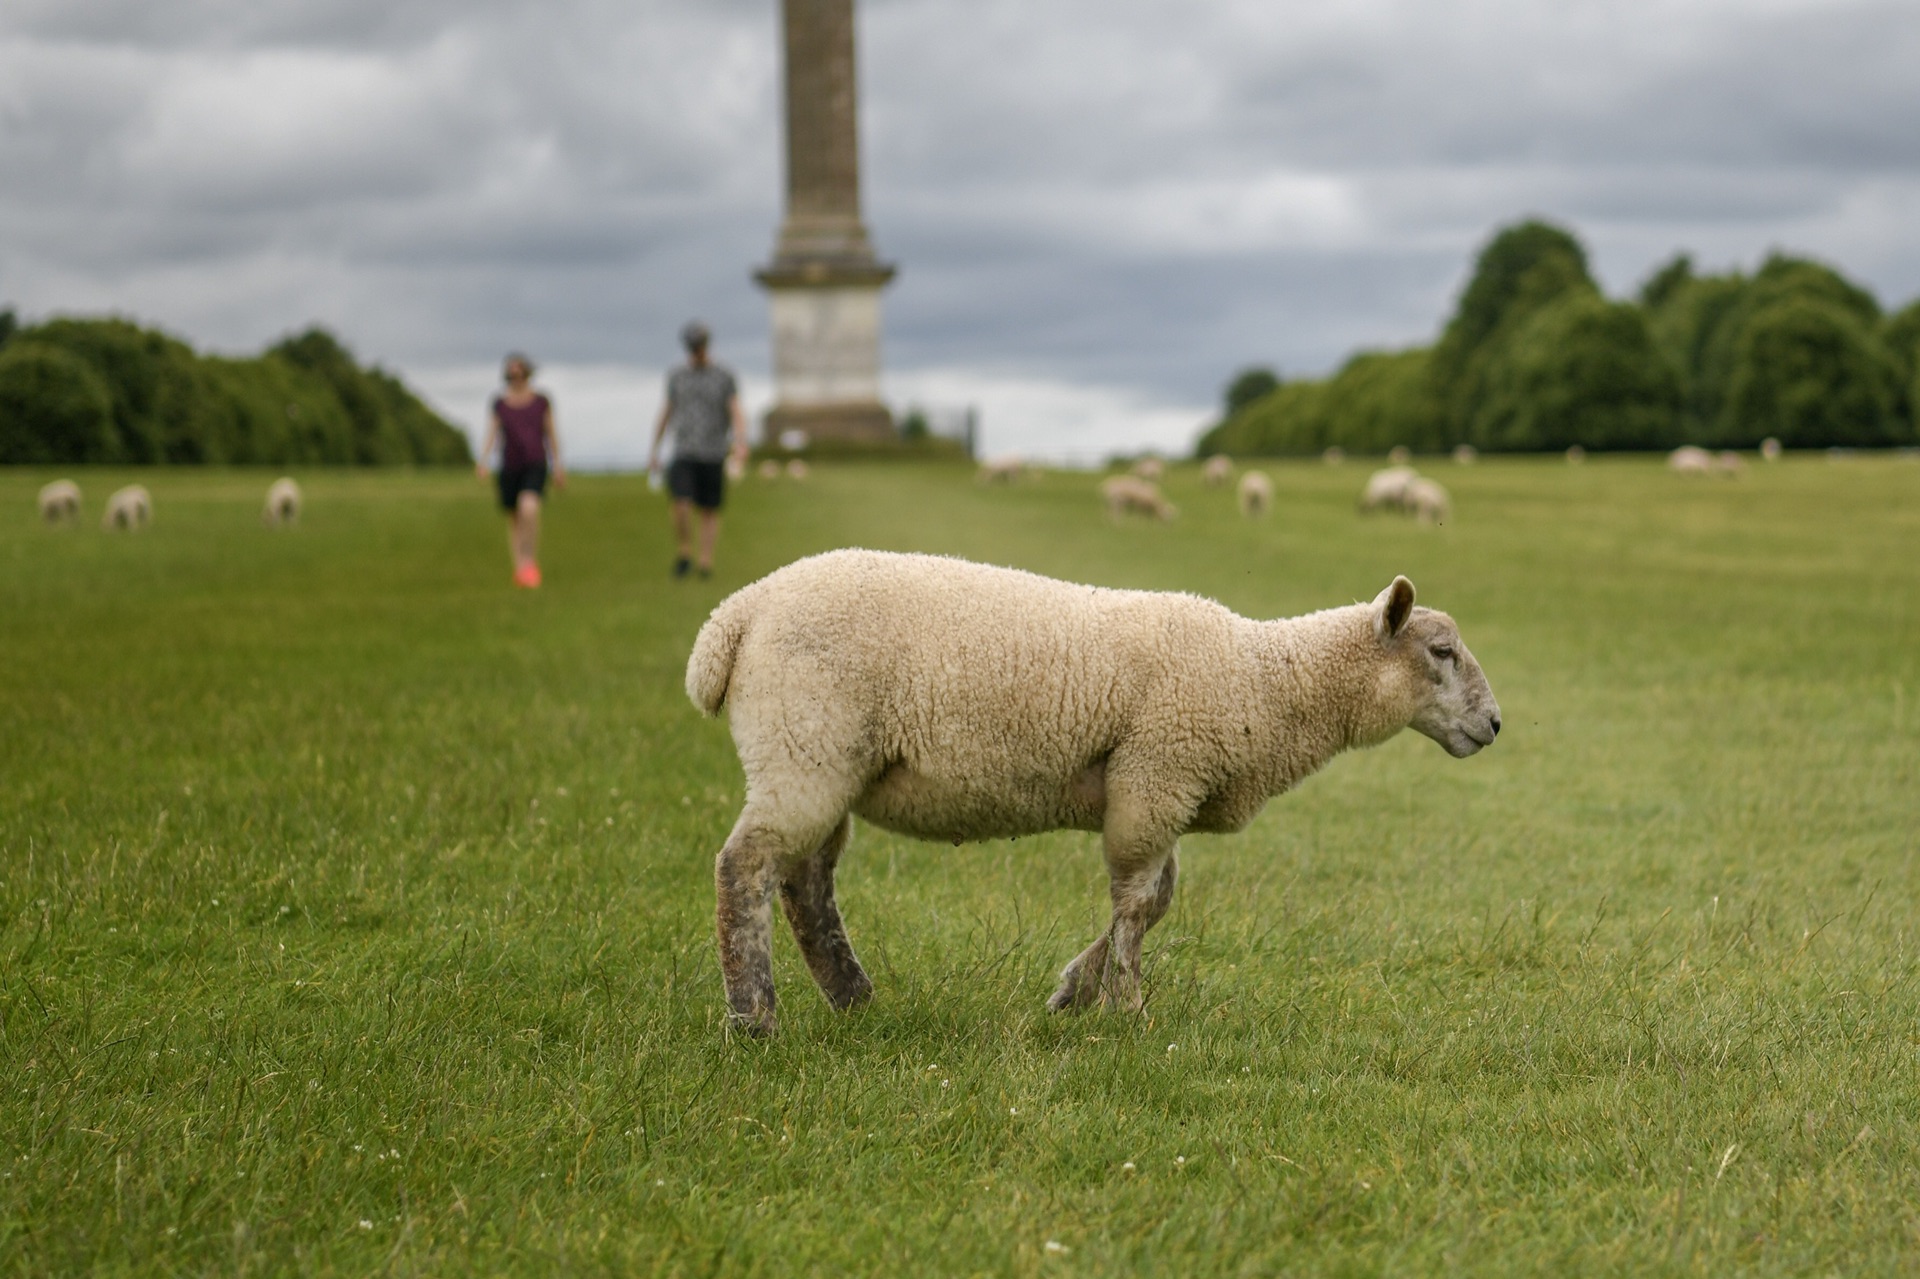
702, 483
515, 480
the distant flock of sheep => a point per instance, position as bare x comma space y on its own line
1397, 488
131, 508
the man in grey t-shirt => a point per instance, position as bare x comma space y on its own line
703, 408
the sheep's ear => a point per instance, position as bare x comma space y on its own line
1392, 607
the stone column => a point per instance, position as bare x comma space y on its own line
824, 281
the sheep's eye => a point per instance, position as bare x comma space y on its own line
1442, 652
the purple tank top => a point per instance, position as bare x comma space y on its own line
523, 431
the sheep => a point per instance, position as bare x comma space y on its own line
1256, 494
1217, 471
1730, 464
1387, 489
1334, 455
60, 502
797, 470
1399, 455
947, 700
1689, 460
283, 504
1150, 468
1465, 454
1575, 455
769, 469
1001, 470
1770, 449
1427, 501
1127, 493
128, 508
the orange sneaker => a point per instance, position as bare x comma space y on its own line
527, 575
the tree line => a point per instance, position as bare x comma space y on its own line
1535, 357
75, 390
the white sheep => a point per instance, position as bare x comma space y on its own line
1427, 501
1217, 471
1150, 468
955, 701
1689, 460
283, 504
769, 469
1334, 455
1575, 455
1125, 494
1256, 494
1001, 470
60, 502
797, 470
1386, 489
1770, 449
1730, 464
1465, 454
128, 508
1399, 455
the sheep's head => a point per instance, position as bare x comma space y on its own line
1430, 677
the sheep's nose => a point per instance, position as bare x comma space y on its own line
1496, 726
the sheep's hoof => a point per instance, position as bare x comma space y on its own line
851, 992
1074, 993
761, 1025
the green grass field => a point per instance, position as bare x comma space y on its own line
355, 909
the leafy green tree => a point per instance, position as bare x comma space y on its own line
1583, 371
1248, 386
1291, 419
1380, 399
53, 407
1809, 371
163, 408
9, 322
1661, 286
1901, 337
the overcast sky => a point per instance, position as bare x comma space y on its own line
1100, 208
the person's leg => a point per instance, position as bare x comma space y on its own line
526, 529
682, 534
709, 534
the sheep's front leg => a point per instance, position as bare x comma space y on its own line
743, 877
1142, 867
806, 894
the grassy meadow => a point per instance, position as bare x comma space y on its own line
355, 909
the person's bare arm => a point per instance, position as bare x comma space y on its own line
486, 450
659, 433
553, 450
739, 428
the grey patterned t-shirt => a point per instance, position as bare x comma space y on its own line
699, 403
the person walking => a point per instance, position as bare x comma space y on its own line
521, 424
703, 410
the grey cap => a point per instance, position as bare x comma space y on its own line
694, 334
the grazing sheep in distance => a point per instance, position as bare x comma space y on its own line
1770, 449
954, 701
1399, 455
1334, 455
797, 470
1465, 454
769, 469
60, 502
283, 504
1387, 489
1730, 464
1427, 501
1688, 460
1001, 470
128, 508
1128, 493
1150, 468
1575, 455
1217, 471
1256, 494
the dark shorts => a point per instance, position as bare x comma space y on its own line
515, 480
702, 483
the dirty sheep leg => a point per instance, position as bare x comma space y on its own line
1142, 868
744, 876
806, 893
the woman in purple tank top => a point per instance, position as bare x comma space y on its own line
521, 423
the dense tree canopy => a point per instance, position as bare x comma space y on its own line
107, 390
1534, 357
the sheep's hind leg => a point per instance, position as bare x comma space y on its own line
806, 894
743, 876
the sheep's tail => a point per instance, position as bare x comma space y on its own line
710, 668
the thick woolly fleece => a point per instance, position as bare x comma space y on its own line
957, 701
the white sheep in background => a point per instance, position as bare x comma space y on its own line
1575, 455
1465, 454
1217, 471
797, 470
1428, 502
954, 701
1126, 494
1730, 464
1386, 489
1770, 449
1399, 455
1255, 493
1001, 470
60, 502
1150, 468
128, 508
1334, 455
283, 504
1688, 460
769, 469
